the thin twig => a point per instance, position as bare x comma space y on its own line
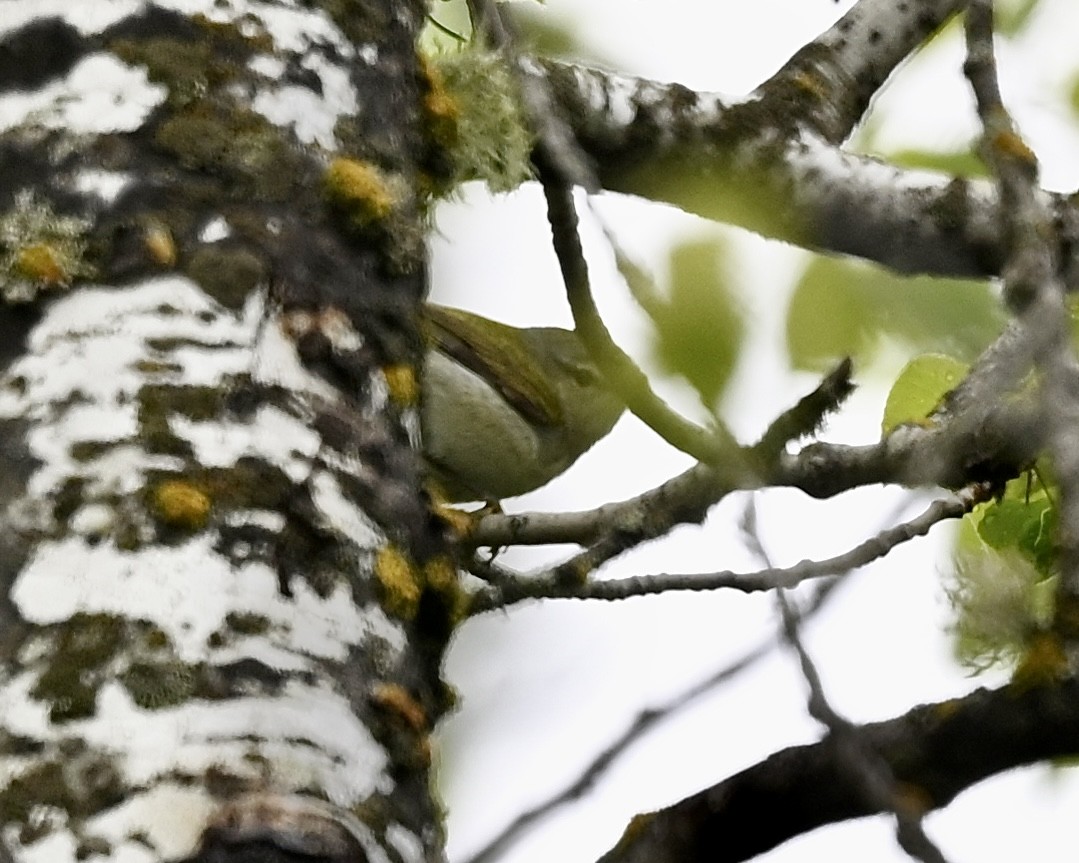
695, 490
715, 446
552, 584
644, 722
872, 775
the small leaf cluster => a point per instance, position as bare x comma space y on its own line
1004, 574
1004, 563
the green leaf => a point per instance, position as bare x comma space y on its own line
849, 308
1007, 523
1024, 518
448, 24
920, 387
700, 330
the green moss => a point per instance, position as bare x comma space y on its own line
156, 685
182, 502
156, 367
142, 838
952, 209
155, 638
360, 20
195, 403
216, 640
88, 450
82, 648
248, 484
91, 845
19, 745
79, 783
232, 142
68, 498
227, 273
45, 783
160, 440
157, 401
31, 831
223, 783
189, 68
127, 536
247, 623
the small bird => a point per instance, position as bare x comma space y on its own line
507, 409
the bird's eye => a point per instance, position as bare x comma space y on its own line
584, 375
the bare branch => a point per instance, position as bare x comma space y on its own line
829, 83
935, 752
553, 583
771, 164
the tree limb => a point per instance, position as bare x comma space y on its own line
935, 751
771, 163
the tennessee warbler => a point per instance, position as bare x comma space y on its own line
505, 409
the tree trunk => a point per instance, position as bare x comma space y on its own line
225, 599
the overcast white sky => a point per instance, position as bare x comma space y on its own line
544, 687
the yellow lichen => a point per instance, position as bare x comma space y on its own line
1013, 146
947, 709
402, 383
1044, 663
911, 800
810, 84
442, 109
40, 262
181, 504
440, 575
397, 700
638, 824
460, 522
360, 188
159, 244
578, 572
441, 106
401, 582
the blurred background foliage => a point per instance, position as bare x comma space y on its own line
842, 307
700, 329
